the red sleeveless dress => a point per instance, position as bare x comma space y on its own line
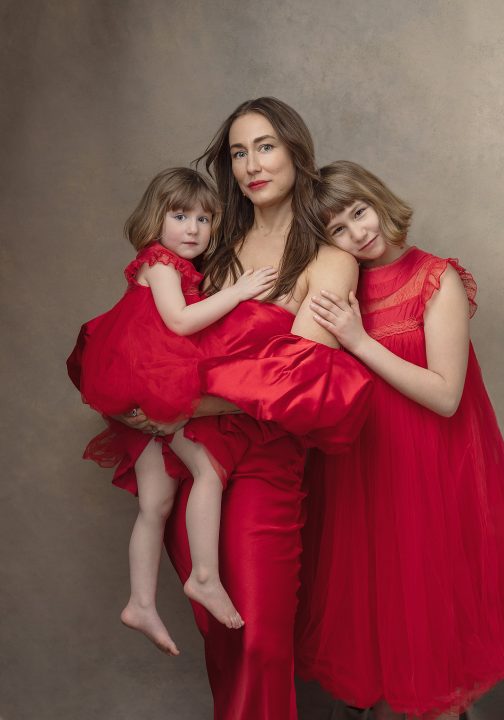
403, 569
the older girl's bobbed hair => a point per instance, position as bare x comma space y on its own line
176, 188
345, 182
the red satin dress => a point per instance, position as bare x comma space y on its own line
403, 569
251, 671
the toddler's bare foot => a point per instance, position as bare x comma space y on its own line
211, 594
147, 621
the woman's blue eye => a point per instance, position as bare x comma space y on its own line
239, 154
266, 147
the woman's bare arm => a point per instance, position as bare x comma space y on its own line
208, 405
332, 269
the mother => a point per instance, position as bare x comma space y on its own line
263, 161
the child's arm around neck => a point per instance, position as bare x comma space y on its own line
165, 284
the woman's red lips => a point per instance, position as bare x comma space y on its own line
255, 184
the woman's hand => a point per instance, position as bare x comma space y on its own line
138, 420
162, 429
135, 419
341, 318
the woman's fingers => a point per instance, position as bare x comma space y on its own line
136, 419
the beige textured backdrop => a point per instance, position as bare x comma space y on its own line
100, 95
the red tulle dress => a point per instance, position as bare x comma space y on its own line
403, 569
132, 359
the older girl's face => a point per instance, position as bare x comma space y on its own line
261, 163
357, 230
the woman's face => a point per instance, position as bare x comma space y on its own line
261, 163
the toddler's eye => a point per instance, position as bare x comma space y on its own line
204, 219
336, 230
180, 216
360, 211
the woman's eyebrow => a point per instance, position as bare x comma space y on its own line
254, 141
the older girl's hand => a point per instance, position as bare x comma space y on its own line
341, 318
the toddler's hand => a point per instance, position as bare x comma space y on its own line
255, 282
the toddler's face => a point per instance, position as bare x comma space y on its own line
187, 232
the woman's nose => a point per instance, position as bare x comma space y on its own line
253, 164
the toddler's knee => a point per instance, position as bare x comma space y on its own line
156, 507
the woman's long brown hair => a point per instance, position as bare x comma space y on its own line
306, 232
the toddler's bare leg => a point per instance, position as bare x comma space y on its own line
156, 492
203, 523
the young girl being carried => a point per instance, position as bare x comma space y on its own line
139, 355
412, 518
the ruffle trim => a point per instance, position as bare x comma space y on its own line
157, 253
433, 281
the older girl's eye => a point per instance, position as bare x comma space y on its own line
238, 154
360, 211
204, 219
337, 230
180, 216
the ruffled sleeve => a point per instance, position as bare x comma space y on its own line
157, 253
433, 281
307, 388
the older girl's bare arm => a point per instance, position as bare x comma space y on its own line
446, 324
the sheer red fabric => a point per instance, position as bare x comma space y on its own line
402, 591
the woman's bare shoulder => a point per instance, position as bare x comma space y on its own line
330, 262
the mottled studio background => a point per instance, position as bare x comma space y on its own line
97, 96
